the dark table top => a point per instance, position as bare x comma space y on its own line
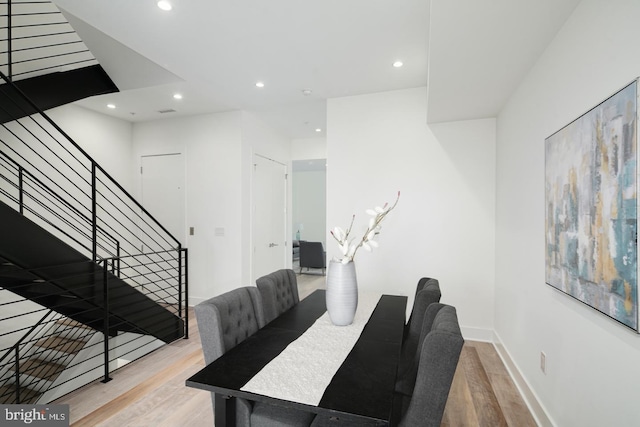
362, 386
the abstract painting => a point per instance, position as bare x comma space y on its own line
591, 206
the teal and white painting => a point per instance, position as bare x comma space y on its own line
591, 168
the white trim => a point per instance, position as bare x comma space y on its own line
477, 334
193, 301
536, 408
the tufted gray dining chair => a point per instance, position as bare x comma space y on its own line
440, 349
421, 402
279, 292
427, 293
408, 369
225, 321
425, 282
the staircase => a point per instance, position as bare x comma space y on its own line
57, 276
89, 280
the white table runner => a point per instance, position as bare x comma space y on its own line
304, 369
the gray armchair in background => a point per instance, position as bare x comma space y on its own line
279, 292
295, 251
312, 255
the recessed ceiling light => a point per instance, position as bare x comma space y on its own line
307, 92
177, 96
112, 106
164, 5
318, 130
259, 84
398, 64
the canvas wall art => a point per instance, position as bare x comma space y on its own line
591, 168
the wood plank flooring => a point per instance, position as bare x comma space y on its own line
151, 391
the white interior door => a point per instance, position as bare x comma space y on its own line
269, 216
163, 191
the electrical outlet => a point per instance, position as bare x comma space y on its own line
543, 362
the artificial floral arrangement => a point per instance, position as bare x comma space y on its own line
349, 248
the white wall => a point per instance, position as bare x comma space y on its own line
218, 150
310, 208
107, 139
309, 148
443, 226
309, 190
212, 149
592, 362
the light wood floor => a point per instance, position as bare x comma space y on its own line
152, 391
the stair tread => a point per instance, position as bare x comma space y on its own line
8, 395
40, 369
61, 344
74, 323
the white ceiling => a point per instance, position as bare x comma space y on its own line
480, 51
473, 53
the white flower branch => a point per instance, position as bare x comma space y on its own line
349, 248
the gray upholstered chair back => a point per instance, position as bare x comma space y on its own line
228, 319
425, 282
409, 361
312, 255
223, 322
279, 292
427, 294
439, 355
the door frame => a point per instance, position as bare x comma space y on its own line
285, 215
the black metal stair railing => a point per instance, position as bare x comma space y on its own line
58, 354
60, 190
38, 40
41, 202
41, 52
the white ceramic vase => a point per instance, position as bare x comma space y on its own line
342, 292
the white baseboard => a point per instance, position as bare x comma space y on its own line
193, 301
477, 334
531, 400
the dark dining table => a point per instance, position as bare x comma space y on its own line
361, 389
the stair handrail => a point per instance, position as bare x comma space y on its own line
12, 348
24, 171
94, 164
